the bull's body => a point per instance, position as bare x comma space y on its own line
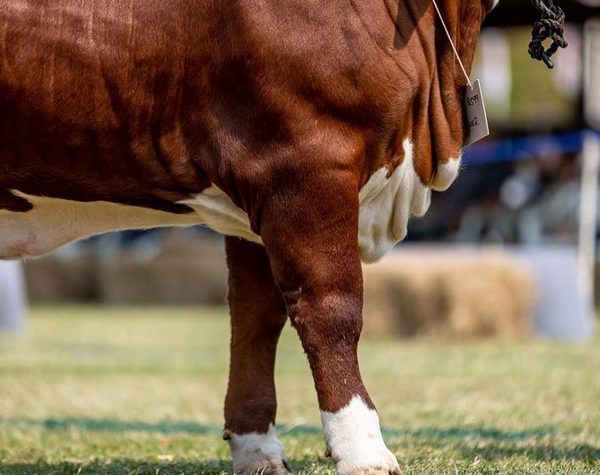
313, 128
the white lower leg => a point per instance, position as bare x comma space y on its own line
252, 453
354, 439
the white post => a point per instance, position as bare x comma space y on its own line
12, 297
588, 215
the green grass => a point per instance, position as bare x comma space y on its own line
139, 391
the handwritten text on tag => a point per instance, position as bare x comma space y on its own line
477, 122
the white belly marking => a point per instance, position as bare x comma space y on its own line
220, 213
53, 222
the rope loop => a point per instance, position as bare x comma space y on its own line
551, 26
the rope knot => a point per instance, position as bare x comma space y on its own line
551, 26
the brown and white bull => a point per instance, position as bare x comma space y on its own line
306, 131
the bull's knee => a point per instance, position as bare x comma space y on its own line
341, 326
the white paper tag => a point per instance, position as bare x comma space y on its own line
477, 122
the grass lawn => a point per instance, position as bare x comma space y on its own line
117, 390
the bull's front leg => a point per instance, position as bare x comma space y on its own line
258, 315
310, 234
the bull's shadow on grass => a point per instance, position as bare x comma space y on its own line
461, 444
191, 428
116, 426
114, 467
304, 466
540, 452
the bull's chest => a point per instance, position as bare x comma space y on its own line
386, 204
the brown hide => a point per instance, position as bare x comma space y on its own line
288, 106
147, 102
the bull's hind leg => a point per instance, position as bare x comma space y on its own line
314, 256
258, 315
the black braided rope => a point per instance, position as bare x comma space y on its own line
551, 26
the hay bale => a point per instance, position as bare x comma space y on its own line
438, 294
189, 269
56, 278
